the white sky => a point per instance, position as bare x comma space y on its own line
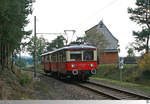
55, 16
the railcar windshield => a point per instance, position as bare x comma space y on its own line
88, 55
85, 55
76, 55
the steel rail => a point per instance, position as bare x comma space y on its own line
121, 90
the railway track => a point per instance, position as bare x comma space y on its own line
107, 91
111, 92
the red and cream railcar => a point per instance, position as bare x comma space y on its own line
78, 61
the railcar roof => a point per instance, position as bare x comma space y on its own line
71, 47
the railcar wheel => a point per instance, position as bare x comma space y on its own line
45, 71
84, 78
60, 76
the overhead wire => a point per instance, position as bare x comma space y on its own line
97, 12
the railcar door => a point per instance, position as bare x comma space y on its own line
54, 61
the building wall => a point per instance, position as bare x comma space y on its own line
109, 58
113, 42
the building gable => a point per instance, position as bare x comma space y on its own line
102, 29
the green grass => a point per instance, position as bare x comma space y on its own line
39, 67
124, 84
132, 76
16, 86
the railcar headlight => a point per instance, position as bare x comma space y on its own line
91, 65
73, 65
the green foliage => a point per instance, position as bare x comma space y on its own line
56, 43
20, 63
41, 45
130, 52
141, 15
146, 74
130, 73
24, 79
144, 64
15, 88
106, 70
141, 37
13, 16
13, 19
79, 40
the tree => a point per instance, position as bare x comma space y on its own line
13, 19
130, 50
79, 40
41, 45
141, 15
20, 62
145, 62
56, 43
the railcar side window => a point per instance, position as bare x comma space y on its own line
75, 55
46, 58
53, 57
88, 55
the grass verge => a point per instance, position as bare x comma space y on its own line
124, 84
19, 85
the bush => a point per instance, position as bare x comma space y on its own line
130, 72
144, 64
146, 74
24, 79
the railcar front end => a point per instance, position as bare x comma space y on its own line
81, 63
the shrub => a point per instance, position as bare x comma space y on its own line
144, 64
24, 79
146, 74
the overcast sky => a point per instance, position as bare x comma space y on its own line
55, 16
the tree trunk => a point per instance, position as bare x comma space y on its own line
12, 61
147, 44
7, 55
2, 56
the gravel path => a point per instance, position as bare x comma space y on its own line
59, 90
53, 89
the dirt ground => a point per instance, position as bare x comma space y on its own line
58, 90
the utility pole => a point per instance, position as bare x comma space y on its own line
35, 65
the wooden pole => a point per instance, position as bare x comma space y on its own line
35, 47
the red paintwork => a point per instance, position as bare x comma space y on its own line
50, 65
47, 66
66, 66
81, 65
